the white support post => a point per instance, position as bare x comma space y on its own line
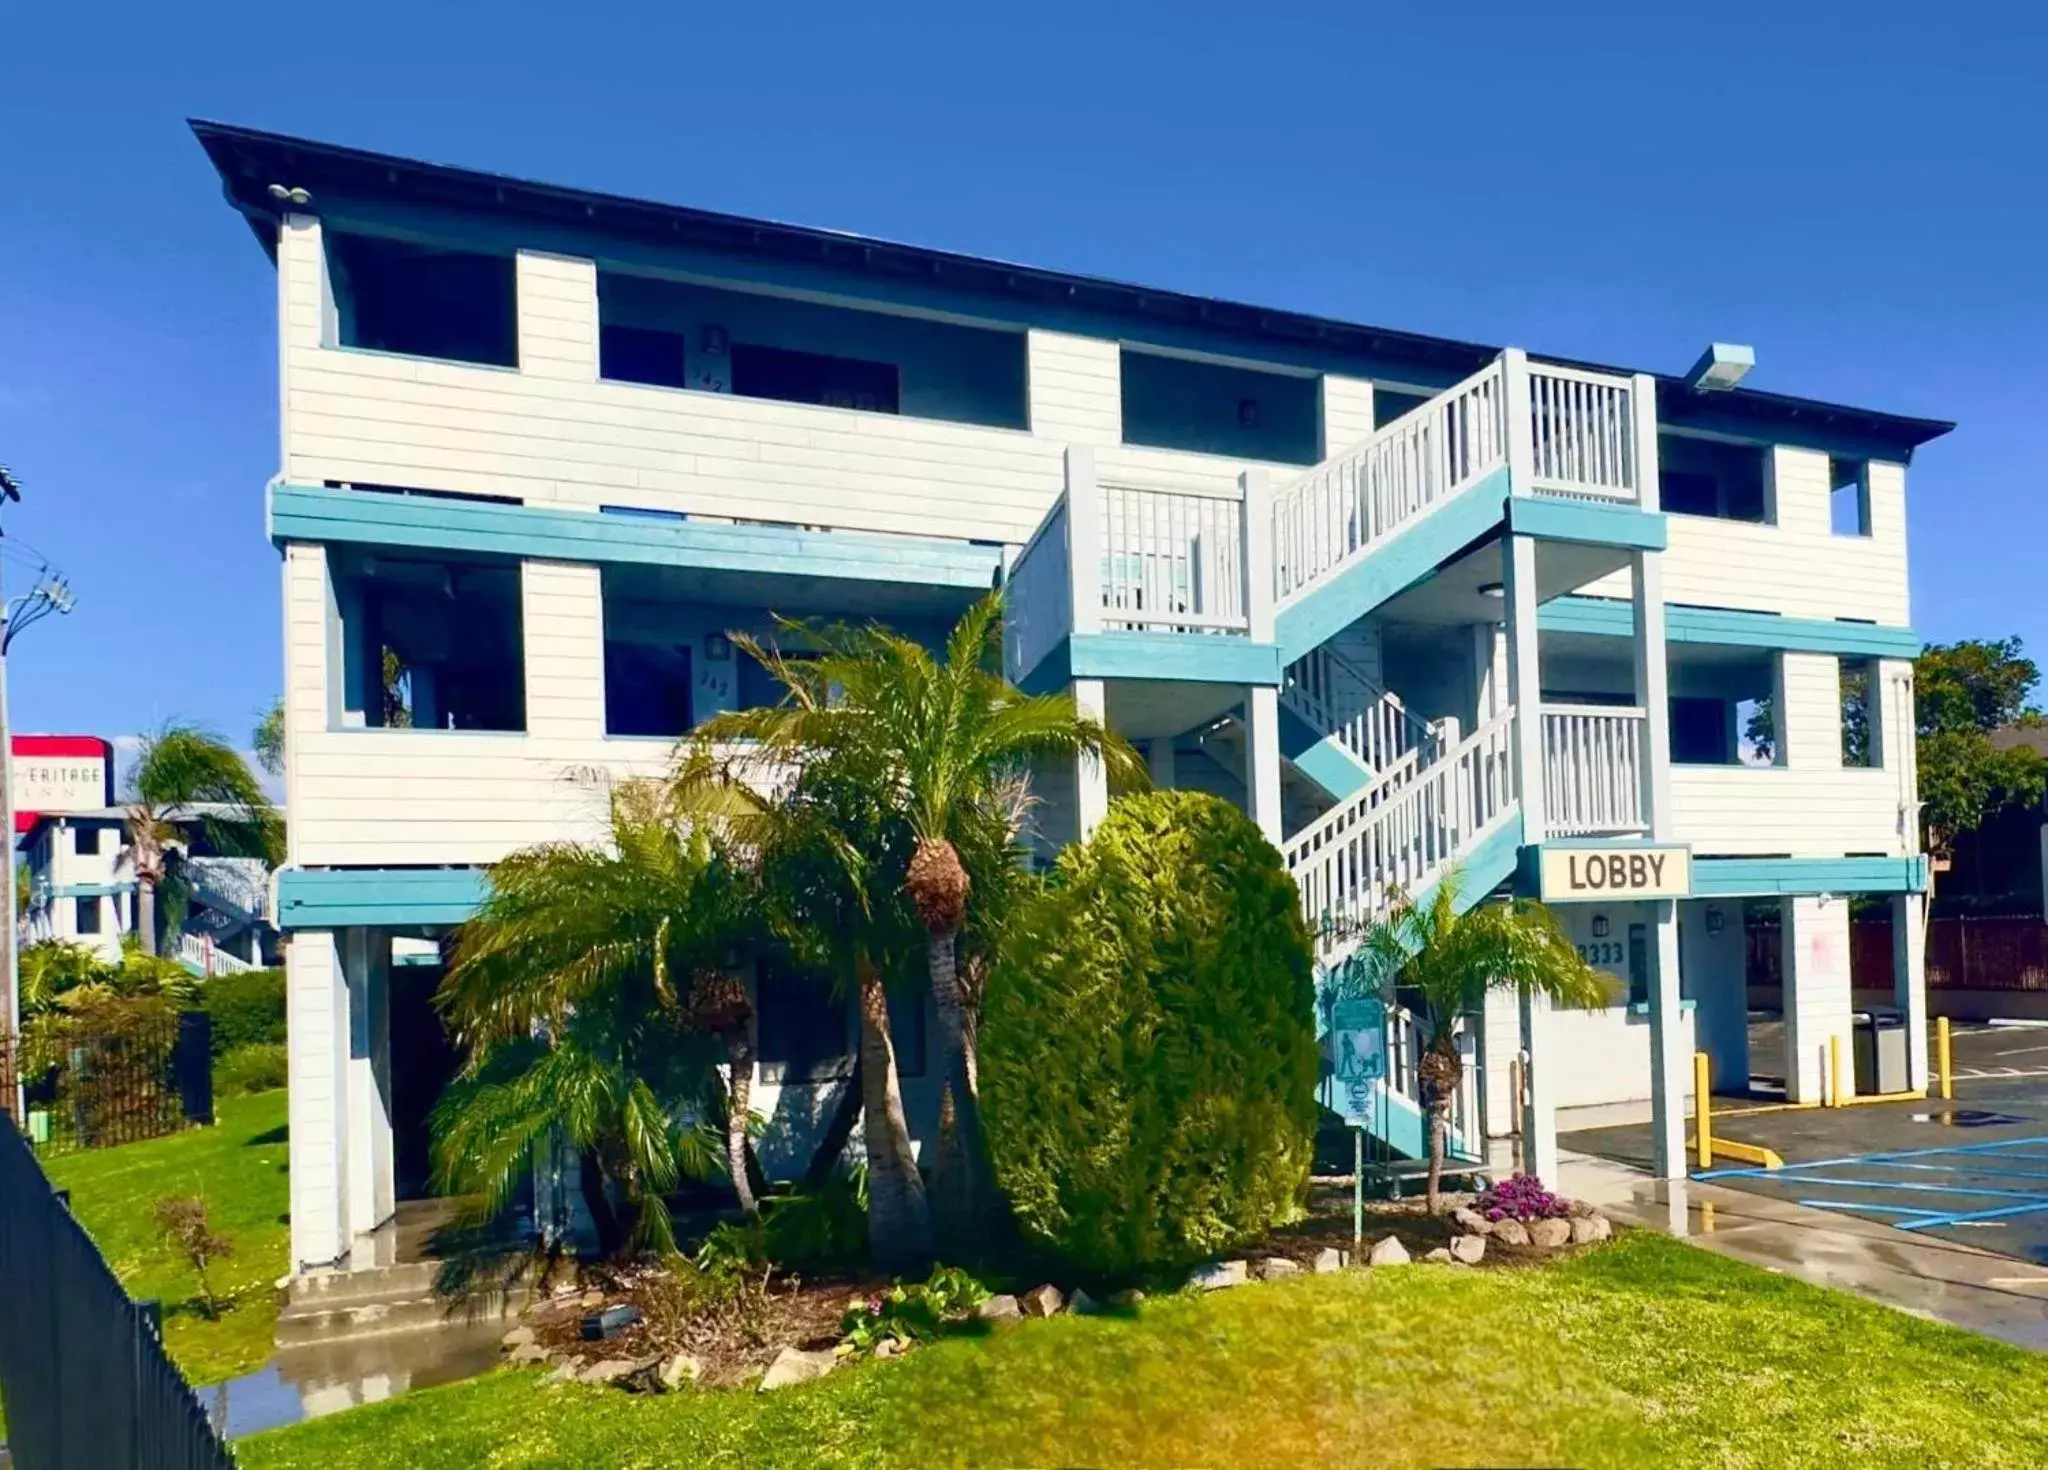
1262, 758
1653, 691
366, 965
1815, 966
317, 1028
1084, 539
1091, 780
1525, 679
1520, 421
1257, 550
1669, 1064
1159, 759
1642, 400
1539, 1118
1909, 980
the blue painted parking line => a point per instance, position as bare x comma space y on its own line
1972, 1217
1835, 1204
1900, 1184
1959, 1172
1853, 1159
1974, 1171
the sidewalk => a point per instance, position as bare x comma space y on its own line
1996, 1295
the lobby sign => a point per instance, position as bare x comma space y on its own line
1616, 873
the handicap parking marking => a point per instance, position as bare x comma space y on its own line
1975, 1163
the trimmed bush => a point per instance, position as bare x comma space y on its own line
1147, 1046
258, 1068
247, 1009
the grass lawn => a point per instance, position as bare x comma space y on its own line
238, 1167
1646, 1352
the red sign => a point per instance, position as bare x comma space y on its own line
60, 773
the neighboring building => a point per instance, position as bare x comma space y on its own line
1412, 602
59, 773
82, 889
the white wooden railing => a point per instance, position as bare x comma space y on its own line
1582, 432
1350, 503
1334, 696
1399, 832
1038, 595
208, 958
1593, 769
1172, 560
1408, 1037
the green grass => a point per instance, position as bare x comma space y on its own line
1647, 1352
238, 1167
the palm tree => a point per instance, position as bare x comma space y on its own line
1450, 960
187, 772
946, 738
268, 738
589, 993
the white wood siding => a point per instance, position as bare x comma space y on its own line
1077, 393
557, 317
1347, 413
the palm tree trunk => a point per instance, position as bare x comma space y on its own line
1439, 1126
611, 1231
740, 1053
957, 1173
899, 1216
145, 914
832, 1142
1439, 1075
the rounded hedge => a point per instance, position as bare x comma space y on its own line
247, 1008
1148, 1055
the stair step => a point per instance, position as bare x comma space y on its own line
302, 1325
348, 1288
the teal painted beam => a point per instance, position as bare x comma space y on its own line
1405, 559
92, 890
1730, 877
1174, 658
373, 518
396, 898
1610, 617
1320, 757
1587, 521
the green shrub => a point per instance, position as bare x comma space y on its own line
257, 1068
1147, 1046
247, 1009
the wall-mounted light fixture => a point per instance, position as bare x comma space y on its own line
1721, 367
1599, 926
1492, 589
1716, 921
717, 648
714, 341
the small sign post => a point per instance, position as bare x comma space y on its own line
1358, 1058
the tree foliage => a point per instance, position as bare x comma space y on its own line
1962, 693
1148, 1051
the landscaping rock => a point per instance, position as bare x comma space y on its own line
1275, 1267
1472, 1222
679, 1372
528, 1353
1328, 1259
999, 1308
518, 1337
1388, 1252
793, 1365
1128, 1299
566, 1371
885, 1349
1043, 1301
1589, 1229
1440, 1256
1219, 1274
1550, 1234
592, 1299
608, 1371
1469, 1250
1510, 1232
1082, 1304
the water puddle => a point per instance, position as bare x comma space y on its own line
1968, 1118
306, 1382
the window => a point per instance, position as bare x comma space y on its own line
1389, 404
1211, 408
646, 688
1723, 710
759, 689
85, 841
87, 915
1849, 497
432, 645
641, 355
1859, 727
424, 301
802, 1028
1706, 477
812, 377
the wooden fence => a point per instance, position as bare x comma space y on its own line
1962, 954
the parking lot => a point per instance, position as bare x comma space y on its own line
1972, 1170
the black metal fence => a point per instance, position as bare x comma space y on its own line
82, 1368
109, 1076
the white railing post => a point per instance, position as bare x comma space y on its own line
1521, 425
1255, 523
1084, 539
1642, 402
1525, 683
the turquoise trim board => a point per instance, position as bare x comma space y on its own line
440, 523
1406, 558
91, 890
1766, 877
397, 898
1589, 522
1610, 617
1174, 658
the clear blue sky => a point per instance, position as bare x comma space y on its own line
1857, 192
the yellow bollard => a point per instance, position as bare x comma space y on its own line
1948, 1081
1702, 1108
1835, 1090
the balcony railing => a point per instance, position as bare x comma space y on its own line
1593, 769
1583, 436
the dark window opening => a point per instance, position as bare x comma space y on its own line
803, 1030
1389, 404
85, 841
423, 301
641, 355
1721, 709
813, 377
1849, 497
434, 645
1705, 477
646, 688
88, 914
907, 1032
758, 688
1211, 408
1859, 733
1700, 734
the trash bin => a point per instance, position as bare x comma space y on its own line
1879, 1043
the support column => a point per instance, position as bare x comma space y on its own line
1159, 761
1539, 1120
1670, 1067
1653, 692
1262, 759
1815, 934
1909, 980
317, 1028
1091, 780
366, 962
1525, 679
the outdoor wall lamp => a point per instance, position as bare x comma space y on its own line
1716, 921
717, 648
1599, 926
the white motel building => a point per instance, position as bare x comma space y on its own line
1633, 642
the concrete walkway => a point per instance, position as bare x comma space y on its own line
1937, 1279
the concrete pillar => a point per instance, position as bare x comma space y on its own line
1525, 680
1262, 759
317, 1027
1159, 760
366, 963
1670, 1066
1815, 935
1091, 781
1539, 1122
1909, 979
